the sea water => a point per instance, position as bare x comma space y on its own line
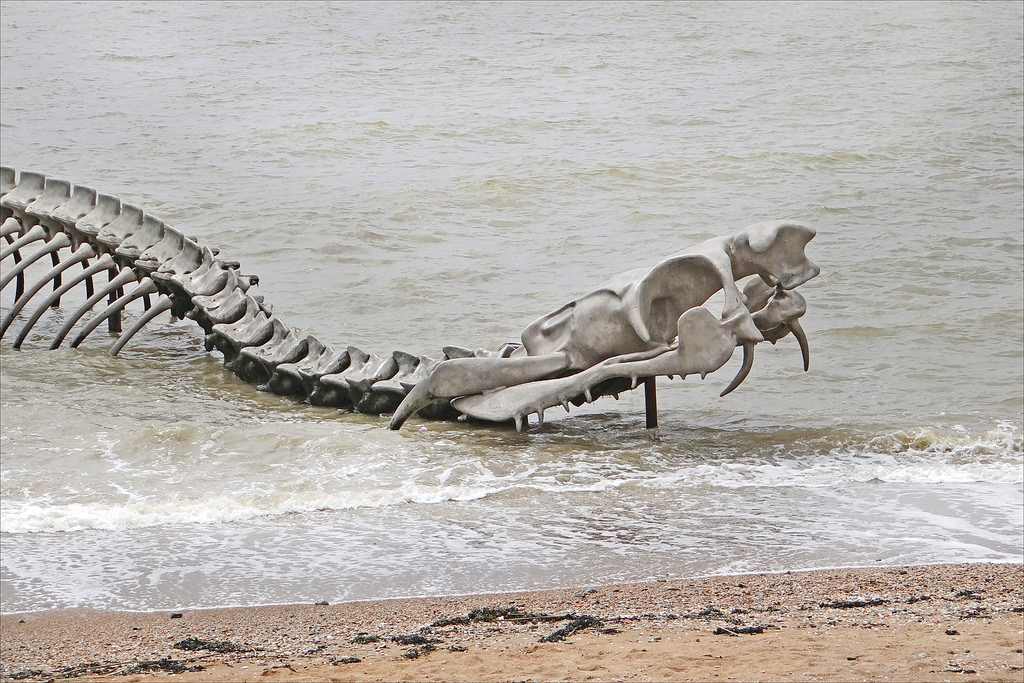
408, 176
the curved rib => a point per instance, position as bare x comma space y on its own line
801, 338
20, 289
146, 286
124, 277
104, 262
10, 227
163, 303
37, 233
58, 242
84, 252
748, 362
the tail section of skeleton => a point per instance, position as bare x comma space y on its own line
127, 253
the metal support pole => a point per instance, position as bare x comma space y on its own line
55, 260
114, 321
88, 281
651, 402
21, 276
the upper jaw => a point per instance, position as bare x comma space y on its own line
794, 280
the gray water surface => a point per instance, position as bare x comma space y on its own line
407, 176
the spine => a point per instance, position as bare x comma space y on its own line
146, 258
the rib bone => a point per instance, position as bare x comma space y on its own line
10, 227
104, 262
58, 242
163, 303
124, 277
37, 233
84, 252
145, 286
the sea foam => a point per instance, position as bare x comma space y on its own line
950, 456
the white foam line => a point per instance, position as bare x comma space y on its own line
521, 591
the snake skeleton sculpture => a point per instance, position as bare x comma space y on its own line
642, 324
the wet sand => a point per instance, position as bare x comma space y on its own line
941, 623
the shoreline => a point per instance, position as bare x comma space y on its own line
918, 622
513, 592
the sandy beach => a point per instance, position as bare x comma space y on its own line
941, 623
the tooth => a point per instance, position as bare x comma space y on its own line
633, 381
102, 263
58, 242
145, 286
84, 252
748, 362
540, 417
565, 405
163, 303
801, 338
124, 277
519, 423
586, 392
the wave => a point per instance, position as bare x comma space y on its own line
31, 517
952, 456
